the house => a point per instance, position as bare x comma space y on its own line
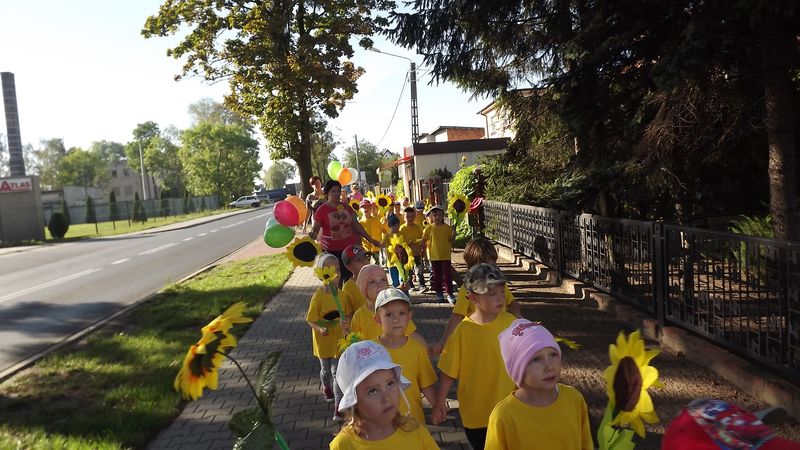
498, 124
125, 181
447, 147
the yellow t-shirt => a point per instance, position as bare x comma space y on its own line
374, 228
438, 240
357, 299
465, 307
419, 219
472, 355
387, 235
412, 233
562, 425
418, 438
322, 305
417, 367
364, 324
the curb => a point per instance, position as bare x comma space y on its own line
742, 373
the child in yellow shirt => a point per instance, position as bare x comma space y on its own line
393, 223
542, 413
354, 257
373, 226
373, 387
326, 330
478, 250
412, 234
472, 355
438, 237
393, 313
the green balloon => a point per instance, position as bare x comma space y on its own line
334, 167
278, 235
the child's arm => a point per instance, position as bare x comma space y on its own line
430, 394
322, 330
514, 309
455, 319
439, 413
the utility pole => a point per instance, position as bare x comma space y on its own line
141, 169
358, 168
414, 112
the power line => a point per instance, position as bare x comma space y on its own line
402, 91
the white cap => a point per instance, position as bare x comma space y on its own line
389, 295
433, 208
357, 363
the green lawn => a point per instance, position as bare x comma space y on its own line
83, 230
114, 389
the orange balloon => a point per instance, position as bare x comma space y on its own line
344, 176
300, 205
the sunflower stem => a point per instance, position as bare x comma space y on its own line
250, 385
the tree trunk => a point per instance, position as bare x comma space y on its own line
778, 55
304, 155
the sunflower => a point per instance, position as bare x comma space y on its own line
457, 207
396, 259
568, 342
199, 369
383, 203
355, 205
327, 274
351, 338
303, 252
627, 380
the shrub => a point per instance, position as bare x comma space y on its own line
91, 216
137, 206
65, 211
112, 206
58, 225
399, 190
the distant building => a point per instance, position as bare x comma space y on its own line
498, 124
125, 182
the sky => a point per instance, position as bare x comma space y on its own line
84, 73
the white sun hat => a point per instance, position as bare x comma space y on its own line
357, 363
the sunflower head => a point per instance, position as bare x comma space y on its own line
327, 274
383, 202
350, 339
303, 252
400, 252
627, 380
457, 207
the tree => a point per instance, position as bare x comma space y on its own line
65, 211
275, 176
210, 111
81, 168
164, 204
112, 207
48, 159
108, 151
220, 160
91, 215
369, 159
322, 146
285, 61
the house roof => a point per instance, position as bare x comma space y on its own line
452, 127
493, 104
468, 145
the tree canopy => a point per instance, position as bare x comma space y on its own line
82, 168
275, 176
285, 61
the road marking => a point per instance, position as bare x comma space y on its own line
232, 225
188, 239
202, 234
158, 249
214, 231
260, 216
48, 284
120, 261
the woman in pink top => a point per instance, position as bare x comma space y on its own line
336, 226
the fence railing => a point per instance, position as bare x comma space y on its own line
742, 292
153, 208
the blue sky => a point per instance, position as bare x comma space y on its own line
84, 73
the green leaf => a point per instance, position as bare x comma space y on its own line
244, 421
613, 438
261, 437
267, 373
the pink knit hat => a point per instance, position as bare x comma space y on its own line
519, 342
365, 274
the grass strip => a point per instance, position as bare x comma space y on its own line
83, 230
114, 389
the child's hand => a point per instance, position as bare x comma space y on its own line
323, 331
439, 413
436, 349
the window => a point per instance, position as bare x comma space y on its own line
114, 174
126, 173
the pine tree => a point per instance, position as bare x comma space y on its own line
164, 204
137, 206
112, 206
91, 216
65, 211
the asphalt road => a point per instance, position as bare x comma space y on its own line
51, 292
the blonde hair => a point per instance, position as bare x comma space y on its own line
354, 420
479, 250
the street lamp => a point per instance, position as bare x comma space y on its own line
141, 169
414, 112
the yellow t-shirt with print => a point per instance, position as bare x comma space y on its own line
323, 307
472, 355
465, 307
387, 236
438, 239
363, 323
357, 299
417, 368
374, 228
412, 233
419, 439
562, 425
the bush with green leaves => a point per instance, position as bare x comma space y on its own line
399, 190
58, 225
65, 211
112, 206
91, 215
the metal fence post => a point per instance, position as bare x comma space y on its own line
510, 224
559, 241
659, 265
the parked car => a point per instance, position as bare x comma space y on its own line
245, 202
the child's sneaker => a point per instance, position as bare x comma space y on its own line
328, 393
439, 297
337, 416
451, 299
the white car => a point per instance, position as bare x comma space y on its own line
245, 202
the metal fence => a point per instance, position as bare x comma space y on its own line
742, 292
153, 208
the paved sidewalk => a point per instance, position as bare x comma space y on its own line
305, 419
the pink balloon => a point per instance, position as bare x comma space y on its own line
286, 214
